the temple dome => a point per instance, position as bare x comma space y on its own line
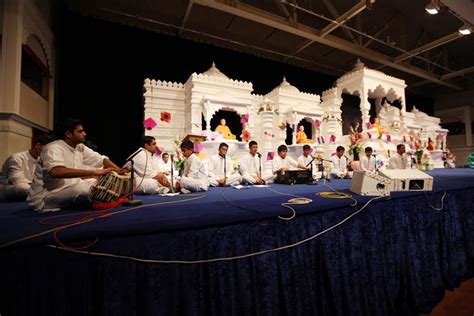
214, 72
285, 85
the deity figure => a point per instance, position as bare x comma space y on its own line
301, 137
450, 160
224, 130
430, 145
378, 129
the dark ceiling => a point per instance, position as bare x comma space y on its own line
397, 37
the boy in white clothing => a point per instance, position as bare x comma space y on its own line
251, 167
339, 164
221, 171
283, 163
147, 175
399, 160
194, 175
367, 162
18, 171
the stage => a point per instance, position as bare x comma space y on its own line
397, 256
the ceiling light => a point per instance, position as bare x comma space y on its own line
432, 7
465, 30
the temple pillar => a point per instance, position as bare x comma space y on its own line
267, 125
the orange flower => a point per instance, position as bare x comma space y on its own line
246, 136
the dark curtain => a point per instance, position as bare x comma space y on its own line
394, 258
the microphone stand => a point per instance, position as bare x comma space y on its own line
131, 201
376, 168
260, 167
172, 176
322, 170
225, 171
311, 181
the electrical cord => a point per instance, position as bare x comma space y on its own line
298, 200
428, 201
238, 206
253, 254
434, 207
336, 195
86, 219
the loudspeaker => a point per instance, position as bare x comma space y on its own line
370, 183
409, 179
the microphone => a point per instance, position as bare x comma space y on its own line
259, 155
225, 170
225, 165
134, 154
172, 176
171, 163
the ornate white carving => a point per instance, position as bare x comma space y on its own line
35, 25
204, 94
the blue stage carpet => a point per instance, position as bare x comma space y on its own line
396, 257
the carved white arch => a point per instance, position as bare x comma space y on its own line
211, 105
43, 50
33, 25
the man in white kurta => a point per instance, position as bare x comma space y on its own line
195, 176
283, 162
221, 170
398, 160
147, 177
367, 162
164, 166
339, 164
18, 171
250, 165
60, 179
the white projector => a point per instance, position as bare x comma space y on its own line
370, 183
408, 179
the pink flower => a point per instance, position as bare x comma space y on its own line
149, 123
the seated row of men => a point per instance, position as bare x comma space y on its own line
59, 174
219, 169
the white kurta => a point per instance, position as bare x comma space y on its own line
305, 161
62, 192
145, 166
216, 170
16, 176
398, 162
338, 165
249, 168
161, 166
279, 163
194, 175
367, 163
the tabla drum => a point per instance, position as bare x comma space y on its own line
110, 187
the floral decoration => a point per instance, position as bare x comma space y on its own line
166, 116
246, 136
149, 123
